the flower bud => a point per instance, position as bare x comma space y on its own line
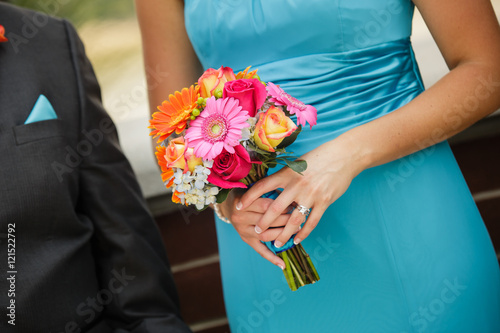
218, 93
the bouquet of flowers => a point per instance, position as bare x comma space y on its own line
225, 132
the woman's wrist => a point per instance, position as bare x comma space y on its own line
349, 148
220, 214
362, 154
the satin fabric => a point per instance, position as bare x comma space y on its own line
405, 248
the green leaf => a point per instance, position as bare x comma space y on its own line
298, 166
290, 139
271, 165
261, 151
222, 196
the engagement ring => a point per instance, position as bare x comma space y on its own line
303, 210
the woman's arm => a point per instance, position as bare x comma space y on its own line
169, 58
169, 53
468, 35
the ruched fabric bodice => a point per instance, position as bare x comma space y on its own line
325, 28
404, 249
363, 67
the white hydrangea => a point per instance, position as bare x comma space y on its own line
210, 195
183, 180
194, 188
201, 176
247, 132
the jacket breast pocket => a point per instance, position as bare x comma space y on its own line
37, 131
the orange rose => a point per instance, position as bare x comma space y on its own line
177, 156
213, 80
273, 126
191, 160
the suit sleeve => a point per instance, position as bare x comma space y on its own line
128, 249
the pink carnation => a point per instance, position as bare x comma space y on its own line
294, 106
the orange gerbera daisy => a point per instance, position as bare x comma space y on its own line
167, 174
245, 74
174, 113
2, 33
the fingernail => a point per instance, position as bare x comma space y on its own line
258, 230
281, 266
239, 205
278, 244
296, 240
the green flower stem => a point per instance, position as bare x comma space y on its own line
293, 257
297, 275
257, 172
311, 265
260, 171
304, 262
299, 269
296, 264
315, 272
288, 271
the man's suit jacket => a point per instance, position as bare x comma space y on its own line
88, 257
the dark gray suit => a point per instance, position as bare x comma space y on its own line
88, 257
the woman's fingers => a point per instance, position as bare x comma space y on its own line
261, 205
311, 223
256, 191
262, 249
295, 220
277, 208
251, 219
273, 233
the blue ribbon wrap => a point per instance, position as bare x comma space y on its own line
288, 245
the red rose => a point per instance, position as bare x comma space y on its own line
250, 93
228, 169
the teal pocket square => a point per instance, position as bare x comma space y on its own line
42, 110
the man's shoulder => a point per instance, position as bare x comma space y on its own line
23, 26
13, 14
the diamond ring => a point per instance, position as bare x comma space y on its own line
303, 210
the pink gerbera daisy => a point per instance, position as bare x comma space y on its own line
294, 106
217, 127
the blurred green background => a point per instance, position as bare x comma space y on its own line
81, 11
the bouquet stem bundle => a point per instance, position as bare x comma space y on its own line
299, 270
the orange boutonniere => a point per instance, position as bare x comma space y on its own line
2, 32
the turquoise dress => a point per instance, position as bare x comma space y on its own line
404, 249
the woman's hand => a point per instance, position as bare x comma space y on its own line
244, 221
330, 170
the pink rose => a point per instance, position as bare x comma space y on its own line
228, 169
250, 93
